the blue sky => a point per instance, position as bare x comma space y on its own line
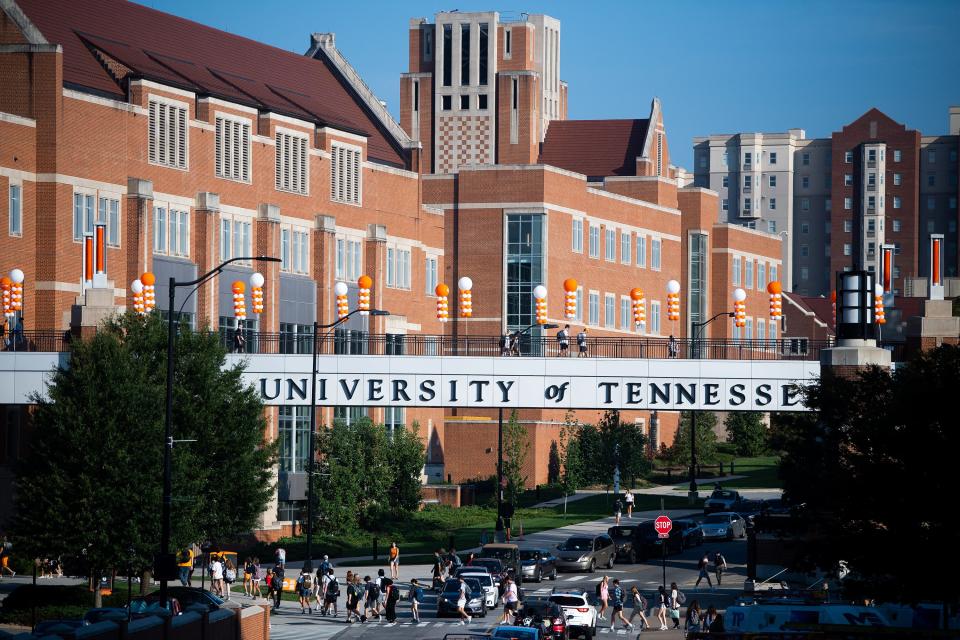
718, 67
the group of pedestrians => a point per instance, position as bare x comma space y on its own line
717, 562
612, 597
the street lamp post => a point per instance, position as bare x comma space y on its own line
697, 330
165, 561
308, 564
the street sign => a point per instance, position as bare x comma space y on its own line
663, 525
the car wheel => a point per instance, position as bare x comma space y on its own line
610, 562
483, 612
633, 557
592, 567
553, 576
539, 577
743, 532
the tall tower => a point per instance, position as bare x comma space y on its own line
481, 89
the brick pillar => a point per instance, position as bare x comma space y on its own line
205, 248
323, 257
266, 242
375, 260
138, 228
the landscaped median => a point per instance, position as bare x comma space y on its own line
423, 532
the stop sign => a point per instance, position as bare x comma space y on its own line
663, 525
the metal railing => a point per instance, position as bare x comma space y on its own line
359, 343
36, 340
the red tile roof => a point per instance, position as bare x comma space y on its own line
158, 46
595, 148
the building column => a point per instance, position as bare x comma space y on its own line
266, 242
139, 227
323, 255
203, 247
375, 260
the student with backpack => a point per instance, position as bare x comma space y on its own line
319, 585
617, 597
676, 599
354, 594
184, 565
331, 591
694, 621
617, 510
639, 608
416, 597
372, 592
305, 590
229, 577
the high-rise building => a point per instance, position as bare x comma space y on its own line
840, 198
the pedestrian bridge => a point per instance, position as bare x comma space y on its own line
628, 373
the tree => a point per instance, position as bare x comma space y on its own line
874, 469
553, 463
568, 454
91, 481
624, 445
746, 431
516, 445
679, 453
405, 460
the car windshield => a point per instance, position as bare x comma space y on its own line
529, 554
539, 608
722, 494
577, 544
621, 532
481, 578
716, 519
519, 634
503, 553
569, 601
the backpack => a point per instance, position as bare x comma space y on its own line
598, 591
333, 588
640, 601
307, 581
373, 591
230, 575
456, 561
681, 599
182, 558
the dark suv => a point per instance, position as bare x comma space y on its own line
546, 616
627, 542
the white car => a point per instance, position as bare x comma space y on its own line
490, 591
581, 615
723, 526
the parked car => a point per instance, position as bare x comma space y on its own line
149, 605
545, 615
625, 538
722, 500
476, 599
649, 544
586, 553
537, 563
189, 596
508, 554
724, 525
491, 593
689, 532
580, 614
510, 632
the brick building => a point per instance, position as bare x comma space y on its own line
194, 146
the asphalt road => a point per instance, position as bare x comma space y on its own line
290, 624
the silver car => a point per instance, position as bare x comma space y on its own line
723, 526
586, 553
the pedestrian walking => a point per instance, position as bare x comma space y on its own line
394, 561
710, 618
510, 600
693, 622
416, 598
331, 591
617, 596
453, 563
504, 344
582, 343
278, 575
184, 565
319, 585
515, 344
603, 596
280, 556
5, 548
703, 566
305, 590
676, 599
462, 602
354, 594
437, 572
672, 347
216, 575
229, 576
639, 608
617, 509
392, 597
719, 566
255, 580
372, 592
563, 342
628, 497
663, 603
248, 573
381, 583
239, 342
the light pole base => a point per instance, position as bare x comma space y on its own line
692, 496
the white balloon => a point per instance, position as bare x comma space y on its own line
256, 279
673, 287
136, 286
340, 288
465, 283
739, 295
878, 289
540, 292
17, 276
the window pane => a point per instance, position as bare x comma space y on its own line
113, 224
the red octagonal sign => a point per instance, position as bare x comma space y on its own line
663, 525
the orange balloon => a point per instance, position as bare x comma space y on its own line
636, 294
148, 279
570, 285
238, 286
833, 296
5, 281
442, 290
774, 287
365, 282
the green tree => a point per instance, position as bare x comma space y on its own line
746, 431
623, 444
516, 446
590, 454
90, 484
874, 469
568, 454
405, 460
679, 453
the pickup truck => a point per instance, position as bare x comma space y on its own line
723, 500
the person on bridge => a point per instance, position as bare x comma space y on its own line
582, 343
563, 342
672, 347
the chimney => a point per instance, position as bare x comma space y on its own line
323, 40
955, 121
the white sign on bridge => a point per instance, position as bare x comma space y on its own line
534, 383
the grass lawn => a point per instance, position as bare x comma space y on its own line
760, 472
